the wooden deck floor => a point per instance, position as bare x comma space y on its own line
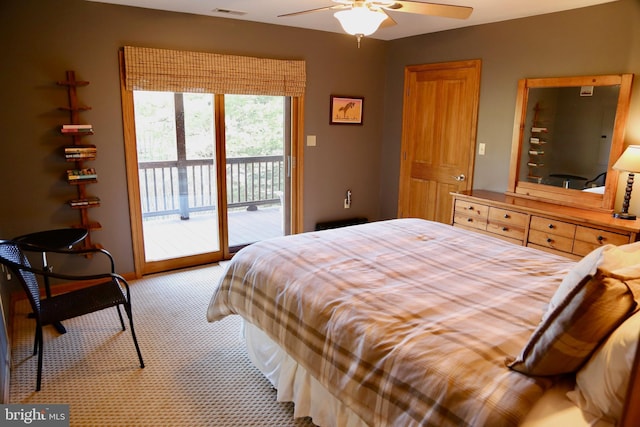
172, 238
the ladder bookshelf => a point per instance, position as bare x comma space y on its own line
77, 153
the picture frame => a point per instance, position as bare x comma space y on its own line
346, 110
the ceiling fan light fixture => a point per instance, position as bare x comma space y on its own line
360, 21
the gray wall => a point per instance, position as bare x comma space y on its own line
595, 40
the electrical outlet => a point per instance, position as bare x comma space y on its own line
481, 148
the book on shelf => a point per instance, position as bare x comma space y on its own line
535, 165
83, 129
79, 148
80, 151
89, 201
536, 152
537, 129
80, 156
77, 131
77, 126
81, 174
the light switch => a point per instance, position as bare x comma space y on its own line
481, 148
311, 140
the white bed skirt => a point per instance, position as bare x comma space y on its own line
311, 399
294, 384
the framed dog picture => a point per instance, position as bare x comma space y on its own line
346, 110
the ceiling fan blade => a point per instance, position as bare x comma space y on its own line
434, 9
313, 10
389, 22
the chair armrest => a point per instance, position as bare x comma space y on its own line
36, 248
69, 277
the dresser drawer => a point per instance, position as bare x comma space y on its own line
465, 220
505, 216
506, 231
555, 227
475, 210
588, 239
550, 240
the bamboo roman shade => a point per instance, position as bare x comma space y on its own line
181, 71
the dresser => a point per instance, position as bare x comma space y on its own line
563, 230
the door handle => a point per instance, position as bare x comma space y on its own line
460, 177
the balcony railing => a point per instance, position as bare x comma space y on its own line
185, 186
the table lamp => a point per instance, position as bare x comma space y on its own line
628, 162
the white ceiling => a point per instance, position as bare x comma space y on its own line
267, 11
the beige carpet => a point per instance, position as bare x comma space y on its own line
197, 373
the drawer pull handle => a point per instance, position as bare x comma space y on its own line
469, 219
470, 208
506, 216
549, 240
551, 226
505, 229
600, 238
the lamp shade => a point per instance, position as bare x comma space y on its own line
360, 20
630, 160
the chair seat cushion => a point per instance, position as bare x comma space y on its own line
80, 302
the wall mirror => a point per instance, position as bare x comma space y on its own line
568, 133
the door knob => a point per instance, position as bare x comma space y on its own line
460, 177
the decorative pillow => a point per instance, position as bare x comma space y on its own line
593, 298
601, 385
569, 333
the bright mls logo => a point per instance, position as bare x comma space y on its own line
35, 415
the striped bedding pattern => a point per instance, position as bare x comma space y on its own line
408, 322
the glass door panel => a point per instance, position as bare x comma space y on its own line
256, 139
175, 138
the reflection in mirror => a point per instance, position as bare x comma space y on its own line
569, 131
568, 134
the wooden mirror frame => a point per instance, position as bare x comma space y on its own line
566, 196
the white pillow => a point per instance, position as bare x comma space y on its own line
621, 260
601, 384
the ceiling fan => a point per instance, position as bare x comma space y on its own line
363, 17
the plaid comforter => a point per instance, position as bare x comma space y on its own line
408, 322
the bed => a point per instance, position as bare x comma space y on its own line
410, 322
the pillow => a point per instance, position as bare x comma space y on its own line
601, 385
592, 300
567, 336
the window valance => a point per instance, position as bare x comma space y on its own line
182, 71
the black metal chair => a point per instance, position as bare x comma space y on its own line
594, 182
106, 290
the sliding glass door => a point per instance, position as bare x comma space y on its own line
206, 190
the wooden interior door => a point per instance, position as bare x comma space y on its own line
440, 115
